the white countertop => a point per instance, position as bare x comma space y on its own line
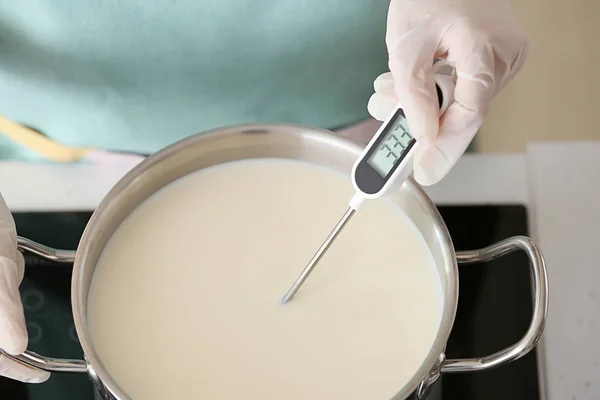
560, 183
565, 186
81, 187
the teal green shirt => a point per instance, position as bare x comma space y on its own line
138, 75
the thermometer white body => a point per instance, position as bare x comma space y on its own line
387, 160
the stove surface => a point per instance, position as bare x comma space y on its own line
494, 307
494, 310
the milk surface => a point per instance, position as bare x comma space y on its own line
185, 300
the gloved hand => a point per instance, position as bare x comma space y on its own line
487, 47
13, 333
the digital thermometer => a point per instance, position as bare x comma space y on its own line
387, 161
384, 165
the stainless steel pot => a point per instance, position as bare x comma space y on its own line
283, 141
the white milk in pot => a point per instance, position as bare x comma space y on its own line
185, 300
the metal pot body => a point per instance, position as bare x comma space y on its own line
293, 142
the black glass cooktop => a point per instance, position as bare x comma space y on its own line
494, 309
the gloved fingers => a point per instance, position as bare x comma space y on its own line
8, 231
380, 106
475, 88
511, 67
13, 331
384, 100
384, 84
21, 372
476, 77
434, 160
411, 58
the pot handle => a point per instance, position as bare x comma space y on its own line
540, 305
64, 256
28, 357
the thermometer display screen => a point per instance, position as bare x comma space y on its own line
391, 147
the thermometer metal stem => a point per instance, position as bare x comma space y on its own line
383, 166
320, 253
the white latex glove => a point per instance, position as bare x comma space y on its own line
13, 333
487, 47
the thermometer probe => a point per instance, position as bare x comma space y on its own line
384, 165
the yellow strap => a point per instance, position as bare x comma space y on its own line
39, 143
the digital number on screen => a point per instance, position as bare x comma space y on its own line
391, 148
